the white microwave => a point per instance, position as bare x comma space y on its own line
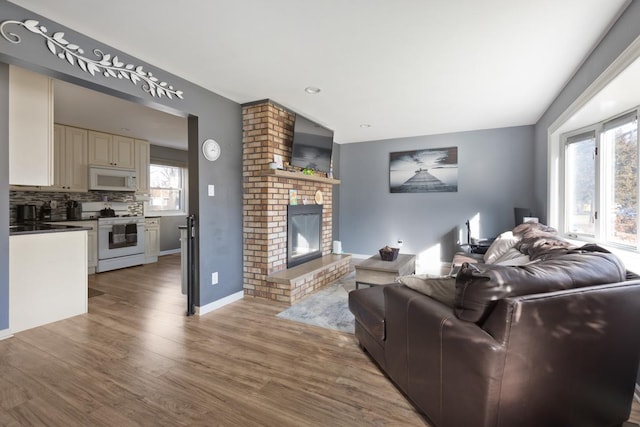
112, 179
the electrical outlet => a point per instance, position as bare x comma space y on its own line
214, 278
400, 242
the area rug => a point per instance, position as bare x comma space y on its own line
327, 308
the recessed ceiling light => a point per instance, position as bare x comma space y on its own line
312, 90
365, 125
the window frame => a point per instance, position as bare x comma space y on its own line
149, 211
600, 202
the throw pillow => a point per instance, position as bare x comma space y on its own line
440, 288
502, 244
512, 257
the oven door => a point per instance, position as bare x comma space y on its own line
120, 239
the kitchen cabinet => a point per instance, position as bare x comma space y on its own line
47, 278
92, 241
151, 240
142, 156
106, 149
30, 128
70, 159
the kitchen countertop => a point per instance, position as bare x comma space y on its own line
17, 230
67, 220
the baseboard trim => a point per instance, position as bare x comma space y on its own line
636, 394
169, 252
200, 311
5, 333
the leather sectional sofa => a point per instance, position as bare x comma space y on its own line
555, 342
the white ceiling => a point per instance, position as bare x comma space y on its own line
77, 106
405, 67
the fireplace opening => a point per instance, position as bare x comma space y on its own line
304, 234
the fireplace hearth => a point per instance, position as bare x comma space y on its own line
304, 234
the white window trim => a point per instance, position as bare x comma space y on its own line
185, 206
555, 147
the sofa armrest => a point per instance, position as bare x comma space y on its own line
455, 367
396, 299
443, 363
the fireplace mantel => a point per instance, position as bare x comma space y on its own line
299, 175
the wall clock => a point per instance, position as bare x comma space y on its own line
211, 149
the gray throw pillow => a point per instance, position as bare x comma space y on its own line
440, 288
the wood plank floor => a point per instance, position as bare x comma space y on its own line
135, 359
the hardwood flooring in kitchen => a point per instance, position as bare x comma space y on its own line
135, 359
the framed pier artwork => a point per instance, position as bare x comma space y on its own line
432, 170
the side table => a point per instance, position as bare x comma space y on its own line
374, 271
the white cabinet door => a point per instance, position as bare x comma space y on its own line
123, 152
152, 239
106, 149
30, 128
59, 159
70, 165
142, 166
92, 250
76, 159
100, 146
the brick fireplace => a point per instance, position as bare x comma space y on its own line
268, 130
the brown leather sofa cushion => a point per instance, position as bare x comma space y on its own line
479, 287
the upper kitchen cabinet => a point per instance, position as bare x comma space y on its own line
70, 165
111, 150
30, 128
143, 149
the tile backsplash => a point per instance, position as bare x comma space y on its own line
60, 212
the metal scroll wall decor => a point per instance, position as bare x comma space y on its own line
107, 65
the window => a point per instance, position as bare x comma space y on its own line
580, 184
601, 182
168, 190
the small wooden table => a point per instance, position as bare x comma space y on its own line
374, 271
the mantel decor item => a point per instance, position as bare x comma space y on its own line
424, 171
388, 253
105, 64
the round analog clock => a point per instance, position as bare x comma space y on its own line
211, 149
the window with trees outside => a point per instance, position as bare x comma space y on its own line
601, 182
168, 190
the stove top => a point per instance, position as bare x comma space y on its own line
105, 210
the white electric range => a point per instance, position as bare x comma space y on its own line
120, 234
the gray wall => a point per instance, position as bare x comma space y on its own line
495, 174
170, 233
4, 197
622, 33
219, 237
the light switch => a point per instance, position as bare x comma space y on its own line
211, 189
214, 278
